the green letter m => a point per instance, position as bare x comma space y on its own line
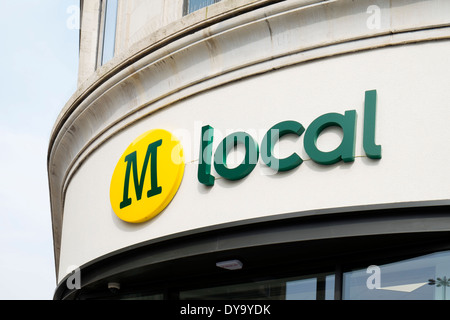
131, 161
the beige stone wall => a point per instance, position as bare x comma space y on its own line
140, 18
136, 20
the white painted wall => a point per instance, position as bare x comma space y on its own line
412, 127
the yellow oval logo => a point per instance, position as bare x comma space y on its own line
147, 176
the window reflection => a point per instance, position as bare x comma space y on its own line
412, 279
317, 288
109, 32
194, 5
422, 278
304, 289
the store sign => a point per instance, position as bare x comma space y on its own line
344, 152
147, 176
150, 171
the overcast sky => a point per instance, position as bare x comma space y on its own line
38, 65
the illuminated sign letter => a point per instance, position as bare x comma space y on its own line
372, 150
345, 151
272, 136
204, 167
249, 163
131, 161
154, 163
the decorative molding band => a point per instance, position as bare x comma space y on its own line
286, 228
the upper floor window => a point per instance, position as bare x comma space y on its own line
194, 5
108, 34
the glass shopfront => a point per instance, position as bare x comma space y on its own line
310, 287
422, 278
425, 277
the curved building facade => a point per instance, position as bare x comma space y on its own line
255, 149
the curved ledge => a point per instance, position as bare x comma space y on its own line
226, 48
189, 24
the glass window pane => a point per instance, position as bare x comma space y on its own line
301, 289
194, 5
329, 287
109, 35
403, 280
273, 290
320, 287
